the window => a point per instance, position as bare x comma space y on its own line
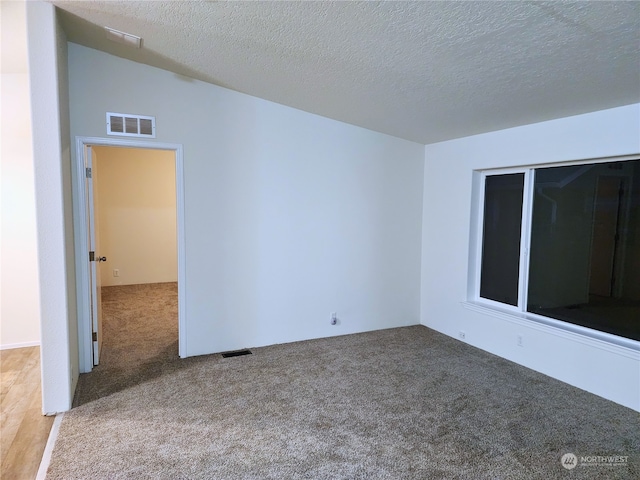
501, 237
563, 243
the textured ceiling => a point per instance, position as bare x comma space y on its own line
424, 71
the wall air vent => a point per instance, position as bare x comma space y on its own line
237, 353
127, 125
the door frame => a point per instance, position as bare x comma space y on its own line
81, 232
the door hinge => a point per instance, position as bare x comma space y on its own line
94, 336
92, 256
88, 171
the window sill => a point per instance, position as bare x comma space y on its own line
605, 341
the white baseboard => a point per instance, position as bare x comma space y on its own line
8, 346
51, 442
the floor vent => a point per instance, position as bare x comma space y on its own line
237, 353
128, 125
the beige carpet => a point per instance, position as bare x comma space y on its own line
405, 403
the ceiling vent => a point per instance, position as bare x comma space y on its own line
127, 125
123, 37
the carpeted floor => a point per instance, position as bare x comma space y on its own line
405, 403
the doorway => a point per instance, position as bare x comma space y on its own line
130, 230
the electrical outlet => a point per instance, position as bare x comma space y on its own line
520, 341
116, 272
334, 318
462, 335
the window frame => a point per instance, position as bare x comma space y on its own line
524, 238
519, 312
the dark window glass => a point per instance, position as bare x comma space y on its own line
501, 237
585, 246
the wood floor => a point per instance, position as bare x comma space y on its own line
23, 428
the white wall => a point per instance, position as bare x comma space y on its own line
19, 302
289, 216
610, 371
136, 190
20, 309
52, 167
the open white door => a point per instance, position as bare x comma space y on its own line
94, 253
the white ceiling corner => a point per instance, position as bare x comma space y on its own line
423, 71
